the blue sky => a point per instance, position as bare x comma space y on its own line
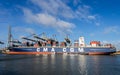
93, 19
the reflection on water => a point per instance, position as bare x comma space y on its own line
82, 65
59, 64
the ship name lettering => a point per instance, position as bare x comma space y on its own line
52, 50
71, 49
45, 49
38, 50
64, 49
80, 50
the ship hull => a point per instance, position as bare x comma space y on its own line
100, 53
72, 50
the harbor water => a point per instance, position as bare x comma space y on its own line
59, 64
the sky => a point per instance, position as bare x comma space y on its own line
93, 19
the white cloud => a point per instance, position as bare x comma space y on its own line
91, 17
54, 7
45, 19
83, 12
56, 14
59, 8
76, 2
111, 29
105, 42
92, 34
48, 20
94, 19
30, 30
97, 23
23, 30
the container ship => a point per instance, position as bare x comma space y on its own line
44, 45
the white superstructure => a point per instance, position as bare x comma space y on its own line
81, 41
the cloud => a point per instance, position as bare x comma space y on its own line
97, 23
57, 14
48, 20
105, 42
4, 15
94, 19
91, 17
76, 2
83, 12
92, 34
30, 30
61, 9
111, 29
23, 30
54, 7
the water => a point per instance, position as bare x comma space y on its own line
59, 64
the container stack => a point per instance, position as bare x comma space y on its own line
63, 44
48, 43
95, 43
